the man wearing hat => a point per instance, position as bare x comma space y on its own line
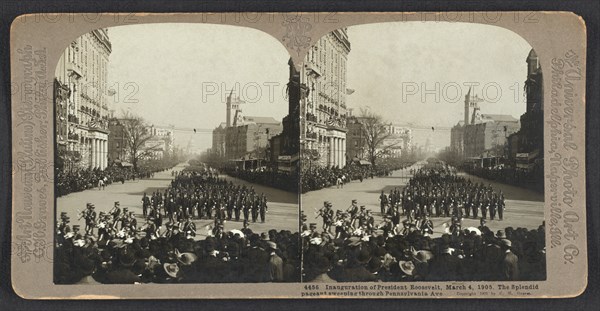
189, 228
263, 208
246, 229
312, 230
76, 234
386, 225
353, 209
145, 204
510, 262
482, 224
64, 227
355, 270
116, 211
275, 264
427, 225
327, 213
90, 219
501, 206
383, 202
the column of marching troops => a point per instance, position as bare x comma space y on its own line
203, 195
191, 195
432, 191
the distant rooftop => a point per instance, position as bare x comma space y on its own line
261, 120
499, 117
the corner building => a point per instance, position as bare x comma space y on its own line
323, 110
81, 101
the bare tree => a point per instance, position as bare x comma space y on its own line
375, 132
137, 136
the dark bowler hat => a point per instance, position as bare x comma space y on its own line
500, 234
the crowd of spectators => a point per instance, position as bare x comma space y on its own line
468, 255
317, 177
533, 179
80, 179
237, 256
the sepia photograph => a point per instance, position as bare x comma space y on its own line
422, 155
308, 155
176, 156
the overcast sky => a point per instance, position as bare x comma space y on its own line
390, 64
176, 68
173, 69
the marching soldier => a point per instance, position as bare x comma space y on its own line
383, 202
263, 208
90, 219
327, 214
353, 209
145, 204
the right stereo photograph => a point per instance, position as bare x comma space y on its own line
422, 155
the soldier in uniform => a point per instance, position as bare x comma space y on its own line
189, 228
327, 213
246, 210
383, 202
484, 209
230, 204
353, 209
501, 206
237, 208
145, 204
387, 226
90, 219
456, 225
116, 210
255, 208
493, 209
263, 208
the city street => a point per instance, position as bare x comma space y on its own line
524, 208
282, 214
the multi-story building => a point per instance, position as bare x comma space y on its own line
457, 133
240, 135
81, 101
399, 140
166, 135
479, 133
251, 137
489, 134
218, 139
117, 141
527, 146
457, 139
323, 110
355, 139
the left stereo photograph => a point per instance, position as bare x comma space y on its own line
176, 157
